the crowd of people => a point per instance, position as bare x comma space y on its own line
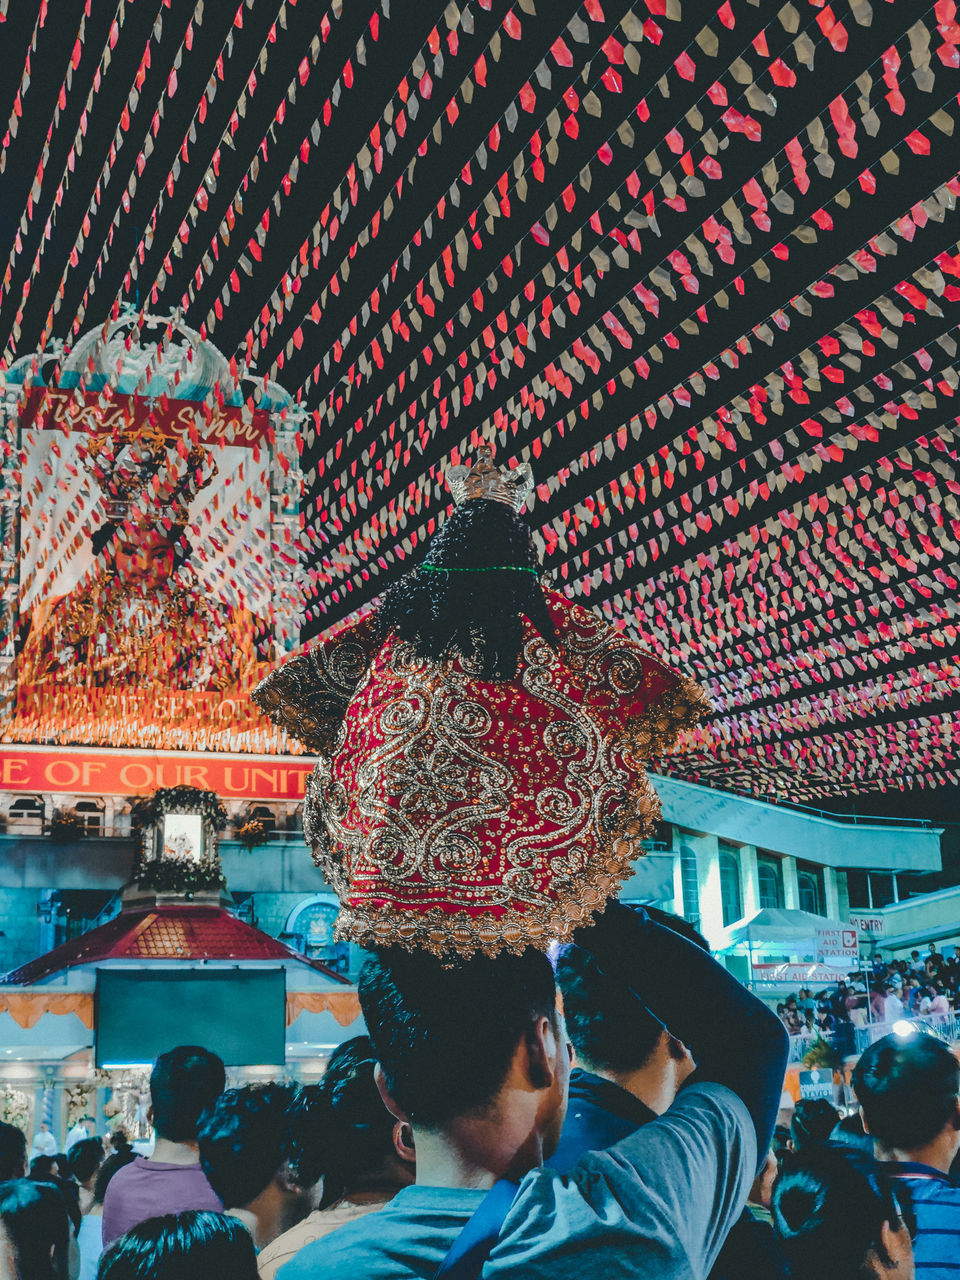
926, 986
479, 1131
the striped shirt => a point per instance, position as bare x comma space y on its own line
936, 1203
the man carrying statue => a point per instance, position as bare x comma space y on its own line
481, 793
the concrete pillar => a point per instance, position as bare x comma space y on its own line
679, 905
749, 880
831, 896
843, 895
791, 889
707, 850
42, 1111
51, 1105
100, 1118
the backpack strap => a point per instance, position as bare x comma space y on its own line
473, 1245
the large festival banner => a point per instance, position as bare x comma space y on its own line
107, 771
145, 603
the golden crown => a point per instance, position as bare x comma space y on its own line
125, 467
484, 480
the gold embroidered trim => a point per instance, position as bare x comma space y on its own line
398, 822
309, 695
468, 931
442, 932
657, 731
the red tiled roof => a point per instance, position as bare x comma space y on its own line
181, 932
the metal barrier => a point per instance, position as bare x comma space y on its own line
842, 1039
800, 1046
943, 1025
848, 1039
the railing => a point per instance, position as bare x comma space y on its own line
853, 819
38, 829
279, 836
848, 1039
944, 1025
122, 831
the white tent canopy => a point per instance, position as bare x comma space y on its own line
779, 931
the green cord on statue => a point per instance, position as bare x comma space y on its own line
487, 568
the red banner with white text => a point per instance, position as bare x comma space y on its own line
40, 770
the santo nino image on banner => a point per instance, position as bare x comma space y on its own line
145, 603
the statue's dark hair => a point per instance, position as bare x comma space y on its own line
479, 577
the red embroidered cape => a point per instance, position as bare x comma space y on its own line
453, 813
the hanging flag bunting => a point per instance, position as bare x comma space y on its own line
697, 263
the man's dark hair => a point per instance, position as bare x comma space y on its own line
183, 1084
13, 1152
38, 1224
340, 1130
41, 1168
814, 1119
608, 1025
829, 1216
243, 1141
445, 1032
907, 1087
84, 1159
106, 1171
190, 1246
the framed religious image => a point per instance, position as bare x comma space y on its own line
183, 836
148, 601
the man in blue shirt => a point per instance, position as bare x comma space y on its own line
473, 1055
630, 1070
908, 1088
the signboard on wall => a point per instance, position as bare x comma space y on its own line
868, 923
817, 1084
88, 771
803, 974
837, 947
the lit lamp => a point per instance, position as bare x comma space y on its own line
179, 855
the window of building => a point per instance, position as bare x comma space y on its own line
261, 813
858, 889
688, 876
731, 900
27, 811
809, 893
91, 815
769, 882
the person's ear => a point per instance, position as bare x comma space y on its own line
287, 1183
863, 1121
387, 1098
403, 1143
544, 1046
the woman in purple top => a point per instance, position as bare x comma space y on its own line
183, 1084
